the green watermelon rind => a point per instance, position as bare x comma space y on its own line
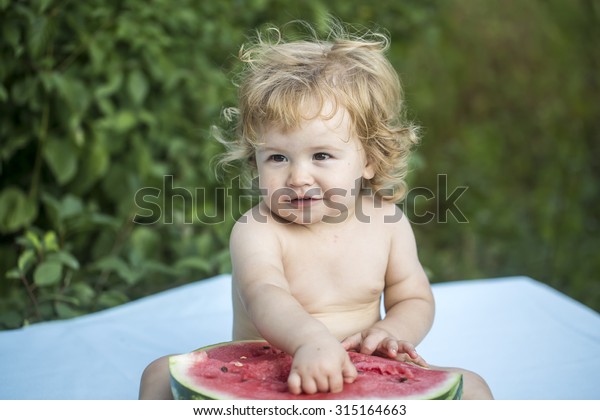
177, 367
183, 390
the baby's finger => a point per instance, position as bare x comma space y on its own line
411, 352
389, 347
336, 383
310, 386
408, 348
352, 342
294, 383
419, 361
372, 342
322, 384
349, 372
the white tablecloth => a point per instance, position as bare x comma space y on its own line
527, 340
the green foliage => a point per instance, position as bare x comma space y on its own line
105, 109
98, 100
508, 95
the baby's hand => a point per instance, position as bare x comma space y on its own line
378, 340
320, 366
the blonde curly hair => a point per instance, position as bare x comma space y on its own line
281, 77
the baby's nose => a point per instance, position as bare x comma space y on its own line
299, 176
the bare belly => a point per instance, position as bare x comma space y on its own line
345, 324
341, 324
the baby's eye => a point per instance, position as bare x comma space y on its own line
321, 156
277, 158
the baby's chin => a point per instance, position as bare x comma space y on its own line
310, 216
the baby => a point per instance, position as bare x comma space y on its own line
320, 123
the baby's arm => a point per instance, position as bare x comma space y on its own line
320, 362
408, 302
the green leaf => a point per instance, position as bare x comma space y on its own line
154, 266
118, 266
112, 86
65, 258
11, 319
145, 242
112, 298
95, 163
39, 36
26, 259
105, 220
61, 157
70, 206
137, 87
73, 92
124, 121
66, 311
51, 241
3, 93
59, 297
98, 54
110, 263
48, 273
33, 240
14, 143
23, 90
43, 5
16, 210
83, 292
195, 263
52, 209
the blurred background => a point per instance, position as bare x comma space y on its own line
108, 194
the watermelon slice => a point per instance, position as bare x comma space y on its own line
255, 370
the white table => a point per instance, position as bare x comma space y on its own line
528, 340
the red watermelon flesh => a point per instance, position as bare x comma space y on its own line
257, 370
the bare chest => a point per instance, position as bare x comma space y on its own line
336, 273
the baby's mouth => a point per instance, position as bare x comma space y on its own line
304, 201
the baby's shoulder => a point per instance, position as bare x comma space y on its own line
257, 223
386, 218
254, 231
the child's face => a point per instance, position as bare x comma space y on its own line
312, 174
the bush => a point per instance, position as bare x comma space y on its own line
105, 108
99, 100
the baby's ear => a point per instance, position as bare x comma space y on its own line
368, 171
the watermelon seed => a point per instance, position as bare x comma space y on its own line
403, 379
224, 369
266, 347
